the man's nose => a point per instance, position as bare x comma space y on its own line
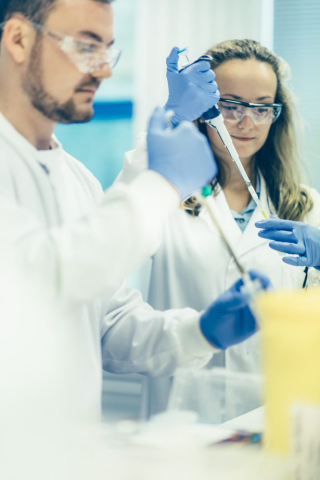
104, 71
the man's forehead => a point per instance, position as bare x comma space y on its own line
74, 16
83, 9
84, 6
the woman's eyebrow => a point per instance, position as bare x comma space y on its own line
236, 97
266, 96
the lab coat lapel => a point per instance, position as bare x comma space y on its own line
250, 239
226, 220
32, 177
39, 179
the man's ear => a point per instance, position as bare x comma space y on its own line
18, 38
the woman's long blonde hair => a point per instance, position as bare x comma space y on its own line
278, 159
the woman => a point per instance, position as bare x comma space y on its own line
192, 264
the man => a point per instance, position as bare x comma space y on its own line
74, 240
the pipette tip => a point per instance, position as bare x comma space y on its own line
185, 52
168, 116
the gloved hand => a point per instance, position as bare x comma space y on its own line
295, 238
230, 320
192, 91
182, 155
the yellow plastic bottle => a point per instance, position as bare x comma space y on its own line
290, 327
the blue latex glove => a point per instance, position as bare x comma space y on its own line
192, 91
295, 238
182, 155
230, 320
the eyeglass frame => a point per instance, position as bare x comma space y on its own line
256, 105
64, 38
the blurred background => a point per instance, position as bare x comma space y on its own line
146, 30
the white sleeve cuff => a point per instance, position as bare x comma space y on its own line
192, 339
314, 277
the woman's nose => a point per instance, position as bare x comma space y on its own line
246, 122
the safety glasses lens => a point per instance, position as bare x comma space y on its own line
89, 58
260, 115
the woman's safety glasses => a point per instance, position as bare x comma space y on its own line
261, 113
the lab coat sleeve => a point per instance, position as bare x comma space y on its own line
93, 255
313, 218
135, 161
138, 339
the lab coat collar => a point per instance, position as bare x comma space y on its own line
50, 158
249, 239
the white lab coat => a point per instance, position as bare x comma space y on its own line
80, 244
193, 267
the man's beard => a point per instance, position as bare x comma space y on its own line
58, 112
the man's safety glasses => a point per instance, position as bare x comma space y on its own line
261, 113
88, 56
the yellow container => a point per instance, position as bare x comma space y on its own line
290, 325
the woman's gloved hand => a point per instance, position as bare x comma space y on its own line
294, 238
230, 320
192, 91
182, 155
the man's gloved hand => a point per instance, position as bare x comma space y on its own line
230, 320
182, 155
295, 238
192, 91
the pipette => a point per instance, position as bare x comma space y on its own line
215, 120
250, 287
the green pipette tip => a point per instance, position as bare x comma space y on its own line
206, 191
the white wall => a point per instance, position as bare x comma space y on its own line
297, 40
120, 86
161, 24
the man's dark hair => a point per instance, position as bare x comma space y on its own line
34, 10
